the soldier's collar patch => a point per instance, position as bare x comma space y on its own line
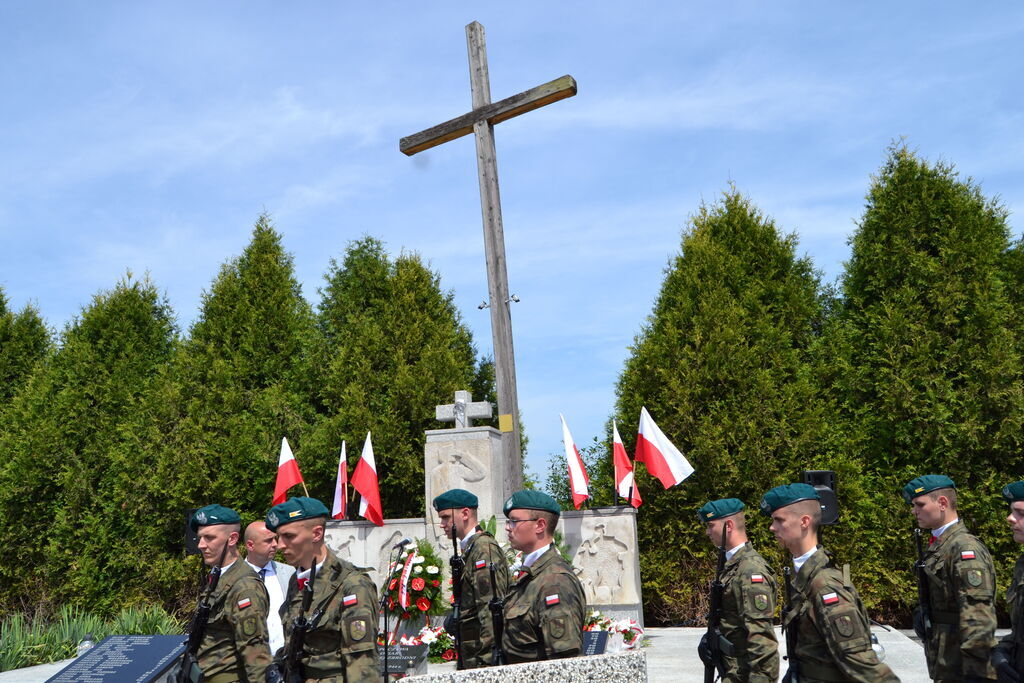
244, 602
480, 564
756, 578
967, 555
551, 600
349, 600
830, 598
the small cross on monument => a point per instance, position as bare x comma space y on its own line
463, 411
481, 122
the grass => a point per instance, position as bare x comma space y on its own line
42, 639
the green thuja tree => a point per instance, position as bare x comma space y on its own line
58, 436
723, 366
930, 369
396, 347
24, 341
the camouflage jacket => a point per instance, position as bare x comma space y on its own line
832, 628
476, 627
342, 647
748, 606
961, 581
234, 644
1015, 604
544, 612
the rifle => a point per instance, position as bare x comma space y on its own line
189, 671
717, 643
458, 567
924, 597
302, 625
790, 629
497, 620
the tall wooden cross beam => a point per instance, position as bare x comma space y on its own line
480, 121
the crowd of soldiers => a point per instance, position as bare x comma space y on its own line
321, 612
316, 617
825, 624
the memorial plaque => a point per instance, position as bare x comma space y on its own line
124, 659
401, 658
594, 642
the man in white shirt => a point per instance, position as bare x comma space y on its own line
260, 547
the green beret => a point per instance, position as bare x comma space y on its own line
531, 500
294, 510
211, 515
717, 509
926, 484
456, 498
1014, 492
787, 494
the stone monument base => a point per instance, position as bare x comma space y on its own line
625, 666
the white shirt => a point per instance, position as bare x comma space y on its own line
465, 541
938, 532
733, 551
535, 555
799, 561
274, 627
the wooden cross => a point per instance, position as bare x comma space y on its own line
480, 121
463, 411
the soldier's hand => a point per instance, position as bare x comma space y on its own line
919, 628
704, 650
1004, 666
274, 674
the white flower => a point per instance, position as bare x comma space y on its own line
432, 569
417, 570
428, 637
419, 559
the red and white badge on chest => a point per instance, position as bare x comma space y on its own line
830, 598
756, 578
480, 564
552, 600
349, 600
244, 602
967, 555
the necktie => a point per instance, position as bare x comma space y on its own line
263, 575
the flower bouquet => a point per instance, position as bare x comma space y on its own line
414, 584
623, 634
442, 644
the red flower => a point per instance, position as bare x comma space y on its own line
451, 599
418, 584
448, 655
393, 585
435, 583
423, 604
406, 615
391, 603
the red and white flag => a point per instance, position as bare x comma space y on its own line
364, 480
624, 483
578, 480
288, 474
340, 507
663, 459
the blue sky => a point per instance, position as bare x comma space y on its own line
150, 136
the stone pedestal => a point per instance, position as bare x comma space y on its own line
463, 458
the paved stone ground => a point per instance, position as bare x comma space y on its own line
671, 657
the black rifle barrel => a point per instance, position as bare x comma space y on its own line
924, 596
458, 567
496, 605
792, 675
714, 631
300, 627
197, 628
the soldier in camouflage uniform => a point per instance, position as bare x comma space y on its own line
1008, 656
961, 583
234, 645
478, 549
748, 601
831, 627
545, 608
342, 646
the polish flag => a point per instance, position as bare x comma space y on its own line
364, 480
288, 474
578, 481
623, 470
663, 460
340, 507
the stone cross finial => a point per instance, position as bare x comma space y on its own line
463, 411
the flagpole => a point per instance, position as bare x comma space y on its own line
629, 501
304, 489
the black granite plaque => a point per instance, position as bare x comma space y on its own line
402, 657
124, 659
594, 642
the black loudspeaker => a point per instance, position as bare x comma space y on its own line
191, 538
824, 482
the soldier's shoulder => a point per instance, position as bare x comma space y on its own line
754, 562
827, 579
966, 547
